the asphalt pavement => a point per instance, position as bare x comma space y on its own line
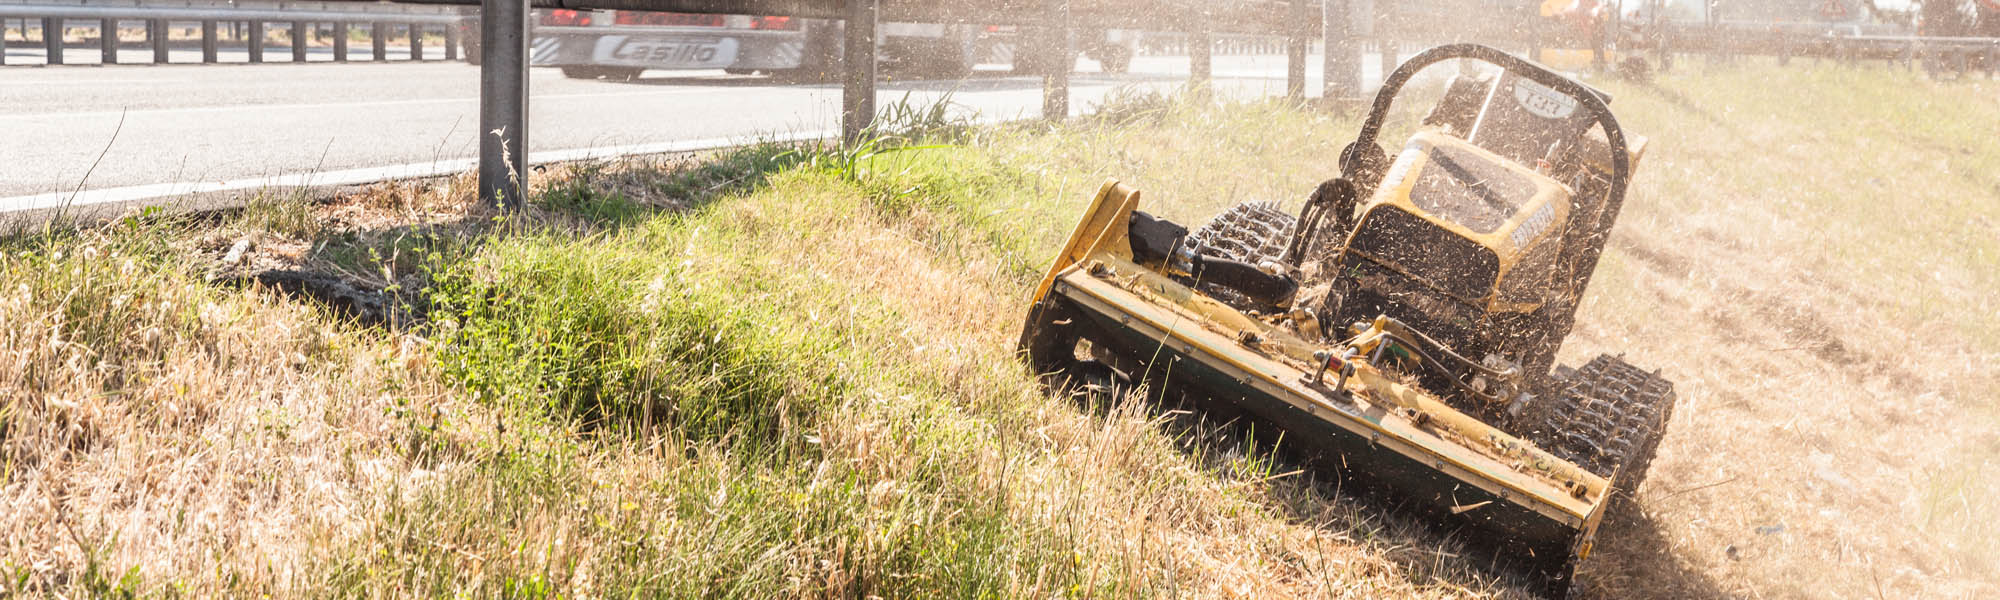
90, 134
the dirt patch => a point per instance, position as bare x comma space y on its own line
348, 298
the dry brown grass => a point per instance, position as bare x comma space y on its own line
1809, 255
165, 429
171, 431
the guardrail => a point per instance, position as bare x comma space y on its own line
1938, 55
302, 22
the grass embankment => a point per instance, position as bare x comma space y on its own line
790, 373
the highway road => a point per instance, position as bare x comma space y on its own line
86, 135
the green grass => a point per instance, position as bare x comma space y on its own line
665, 334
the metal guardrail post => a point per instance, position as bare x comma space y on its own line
1201, 56
339, 42
1297, 46
1654, 10
1385, 48
256, 39
1055, 81
378, 40
857, 90
300, 33
52, 40
156, 31
503, 102
208, 41
416, 42
1342, 67
107, 40
1599, 47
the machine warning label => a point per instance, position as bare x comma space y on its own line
665, 53
1543, 101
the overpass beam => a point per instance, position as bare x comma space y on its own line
1055, 81
503, 103
857, 90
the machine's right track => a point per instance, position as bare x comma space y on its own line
1608, 417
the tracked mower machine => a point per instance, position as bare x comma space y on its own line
1401, 329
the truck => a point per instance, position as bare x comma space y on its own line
621, 44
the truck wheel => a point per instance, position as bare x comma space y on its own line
608, 73
941, 60
1116, 59
1636, 69
950, 57
1608, 417
1034, 54
1028, 61
819, 59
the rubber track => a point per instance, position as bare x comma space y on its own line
1248, 232
1251, 232
1609, 415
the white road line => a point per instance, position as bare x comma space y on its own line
403, 171
375, 174
84, 81
313, 105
